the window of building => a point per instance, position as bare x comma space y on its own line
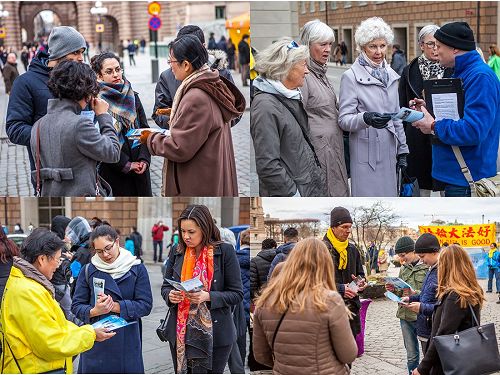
48, 207
347, 4
303, 7
254, 219
220, 12
333, 5
322, 6
312, 7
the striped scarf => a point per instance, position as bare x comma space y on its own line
340, 247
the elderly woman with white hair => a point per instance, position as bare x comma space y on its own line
424, 67
368, 96
286, 160
320, 103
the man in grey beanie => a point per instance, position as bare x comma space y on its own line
30, 94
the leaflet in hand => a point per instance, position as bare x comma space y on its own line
407, 114
397, 283
111, 323
353, 286
394, 297
98, 287
135, 134
191, 285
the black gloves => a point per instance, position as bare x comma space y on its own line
375, 119
401, 163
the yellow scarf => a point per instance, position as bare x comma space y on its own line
492, 251
340, 247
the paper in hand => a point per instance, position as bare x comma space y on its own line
394, 297
111, 323
191, 285
407, 114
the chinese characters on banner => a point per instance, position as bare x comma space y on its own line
477, 235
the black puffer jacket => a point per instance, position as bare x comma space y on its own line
259, 268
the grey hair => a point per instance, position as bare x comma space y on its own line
426, 30
275, 61
316, 31
227, 236
371, 29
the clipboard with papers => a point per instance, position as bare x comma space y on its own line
444, 98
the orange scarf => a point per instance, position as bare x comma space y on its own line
203, 268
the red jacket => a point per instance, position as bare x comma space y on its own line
157, 232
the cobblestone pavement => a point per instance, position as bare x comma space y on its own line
14, 163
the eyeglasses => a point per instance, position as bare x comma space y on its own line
111, 71
169, 61
430, 44
107, 249
293, 44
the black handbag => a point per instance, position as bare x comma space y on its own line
473, 351
161, 331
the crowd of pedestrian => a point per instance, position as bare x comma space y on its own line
299, 123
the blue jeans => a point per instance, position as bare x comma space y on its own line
456, 191
409, 330
493, 272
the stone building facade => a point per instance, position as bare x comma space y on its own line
124, 20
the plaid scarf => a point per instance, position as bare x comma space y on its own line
121, 100
376, 71
194, 344
430, 69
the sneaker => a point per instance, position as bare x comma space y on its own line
489, 291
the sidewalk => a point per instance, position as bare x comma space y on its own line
14, 158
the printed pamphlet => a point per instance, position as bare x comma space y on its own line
98, 287
191, 285
394, 297
353, 286
407, 114
112, 322
135, 134
397, 283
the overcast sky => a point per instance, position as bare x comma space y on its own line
412, 211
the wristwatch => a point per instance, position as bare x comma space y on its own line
433, 125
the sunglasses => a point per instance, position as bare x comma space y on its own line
293, 44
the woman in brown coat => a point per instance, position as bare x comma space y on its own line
199, 151
314, 336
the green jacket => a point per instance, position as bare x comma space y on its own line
494, 63
413, 275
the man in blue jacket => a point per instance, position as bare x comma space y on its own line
30, 94
291, 237
477, 132
427, 247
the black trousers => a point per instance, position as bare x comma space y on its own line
160, 245
220, 356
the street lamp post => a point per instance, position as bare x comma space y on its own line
99, 11
3, 14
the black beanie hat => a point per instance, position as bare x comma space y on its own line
404, 245
339, 216
427, 243
457, 35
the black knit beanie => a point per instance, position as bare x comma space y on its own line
427, 243
339, 216
457, 35
404, 245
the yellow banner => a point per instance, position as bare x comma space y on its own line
477, 235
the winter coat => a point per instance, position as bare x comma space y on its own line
342, 277
50, 343
309, 342
413, 274
373, 151
225, 292
10, 74
398, 62
4, 276
494, 63
320, 103
157, 232
447, 319
427, 299
243, 53
28, 102
383, 263
411, 85
243, 255
130, 184
285, 161
199, 156
167, 86
494, 262
70, 147
259, 269
337, 52
123, 352
137, 238
477, 133
282, 253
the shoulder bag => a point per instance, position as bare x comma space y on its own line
485, 187
276, 332
473, 351
161, 331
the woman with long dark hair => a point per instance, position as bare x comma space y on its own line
200, 326
130, 175
8, 250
